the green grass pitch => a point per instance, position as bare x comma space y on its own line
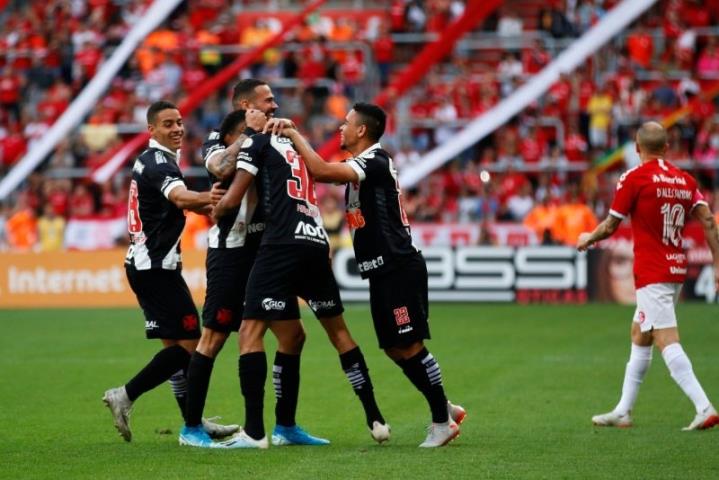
530, 378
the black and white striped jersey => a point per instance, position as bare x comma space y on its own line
243, 226
285, 189
377, 221
154, 222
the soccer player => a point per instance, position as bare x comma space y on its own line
657, 196
385, 255
293, 260
157, 198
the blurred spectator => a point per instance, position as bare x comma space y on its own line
521, 203
553, 21
541, 219
194, 236
600, 109
51, 230
81, 204
573, 217
708, 63
641, 47
509, 25
21, 227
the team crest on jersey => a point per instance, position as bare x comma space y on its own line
189, 322
641, 317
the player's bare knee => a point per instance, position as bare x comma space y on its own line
292, 341
190, 344
338, 333
251, 336
665, 337
403, 352
211, 342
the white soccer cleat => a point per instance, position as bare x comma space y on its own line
456, 412
380, 431
120, 405
242, 440
612, 419
440, 434
215, 430
704, 420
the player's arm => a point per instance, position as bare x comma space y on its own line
320, 170
222, 164
233, 198
702, 213
188, 199
604, 230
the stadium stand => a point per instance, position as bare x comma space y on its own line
532, 170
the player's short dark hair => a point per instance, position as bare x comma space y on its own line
373, 117
230, 123
245, 89
156, 108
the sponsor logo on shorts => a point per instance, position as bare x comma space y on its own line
321, 304
641, 317
224, 316
272, 304
151, 325
401, 316
189, 322
405, 329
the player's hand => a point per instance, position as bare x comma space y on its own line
276, 126
255, 119
583, 242
216, 193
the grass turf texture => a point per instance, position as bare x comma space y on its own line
530, 378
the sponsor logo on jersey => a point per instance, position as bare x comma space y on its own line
272, 304
224, 316
255, 227
160, 158
321, 304
283, 140
214, 136
401, 316
678, 270
373, 264
306, 230
309, 210
661, 178
138, 167
189, 322
151, 325
247, 143
676, 257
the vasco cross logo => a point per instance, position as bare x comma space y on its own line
272, 304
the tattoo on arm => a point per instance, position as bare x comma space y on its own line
224, 166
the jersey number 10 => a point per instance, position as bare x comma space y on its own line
673, 219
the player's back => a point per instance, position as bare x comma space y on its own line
285, 190
154, 222
659, 197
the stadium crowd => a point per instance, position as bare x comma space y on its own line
532, 170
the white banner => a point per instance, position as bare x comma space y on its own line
616, 20
82, 105
94, 234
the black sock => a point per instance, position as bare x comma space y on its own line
198, 382
423, 371
178, 382
253, 373
162, 366
286, 380
357, 373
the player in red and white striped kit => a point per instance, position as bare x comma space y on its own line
658, 197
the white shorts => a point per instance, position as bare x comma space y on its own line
655, 306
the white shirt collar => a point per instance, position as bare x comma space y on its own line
373, 147
155, 144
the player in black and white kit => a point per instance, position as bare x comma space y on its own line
293, 260
385, 255
157, 198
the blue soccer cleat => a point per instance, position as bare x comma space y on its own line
196, 437
294, 436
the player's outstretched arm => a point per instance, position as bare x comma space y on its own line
233, 197
320, 170
189, 199
702, 213
603, 230
222, 164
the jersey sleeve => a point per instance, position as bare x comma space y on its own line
251, 156
369, 166
624, 197
211, 146
163, 176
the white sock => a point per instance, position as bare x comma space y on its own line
681, 371
637, 366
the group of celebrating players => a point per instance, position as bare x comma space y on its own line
268, 247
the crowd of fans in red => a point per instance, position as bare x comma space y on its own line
50, 50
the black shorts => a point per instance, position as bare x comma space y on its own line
399, 304
170, 312
227, 273
284, 272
